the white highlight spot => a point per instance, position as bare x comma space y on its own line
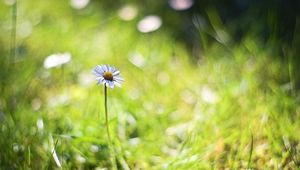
36, 104
79, 4
16, 147
208, 95
137, 59
149, 24
9, 2
57, 100
181, 4
94, 148
80, 159
128, 12
163, 78
134, 141
40, 124
25, 29
85, 79
188, 97
55, 60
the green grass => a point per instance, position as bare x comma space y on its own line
171, 113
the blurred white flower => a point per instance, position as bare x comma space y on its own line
169, 151
131, 120
36, 104
40, 124
137, 59
163, 78
261, 149
57, 100
188, 97
25, 29
128, 12
85, 79
55, 60
9, 2
16, 147
134, 141
149, 23
94, 148
208, 95
80, 159
134, 94
181, 4
79, 4
180, 130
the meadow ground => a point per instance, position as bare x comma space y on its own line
234, 107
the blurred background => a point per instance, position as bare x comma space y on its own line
208, 84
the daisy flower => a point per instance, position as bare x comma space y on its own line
108, 75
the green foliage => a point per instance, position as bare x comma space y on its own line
173, 112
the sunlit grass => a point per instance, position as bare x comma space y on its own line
171, 112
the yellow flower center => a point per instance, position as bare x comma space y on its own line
108, 75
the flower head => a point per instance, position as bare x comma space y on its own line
108, 76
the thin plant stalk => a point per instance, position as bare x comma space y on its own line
12, 60
13, 32
111, 149
251, 151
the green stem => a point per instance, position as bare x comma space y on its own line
12, 60
251, 151
111, 149
13, 32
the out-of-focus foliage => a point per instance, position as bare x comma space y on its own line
212, 86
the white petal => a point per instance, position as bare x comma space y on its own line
106, 67
97, 71
117, 83
116, 72
111, 84
104, 82
118, 78
100, 81
113, 69
99, 77
101, 71
109, 68
102, 68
